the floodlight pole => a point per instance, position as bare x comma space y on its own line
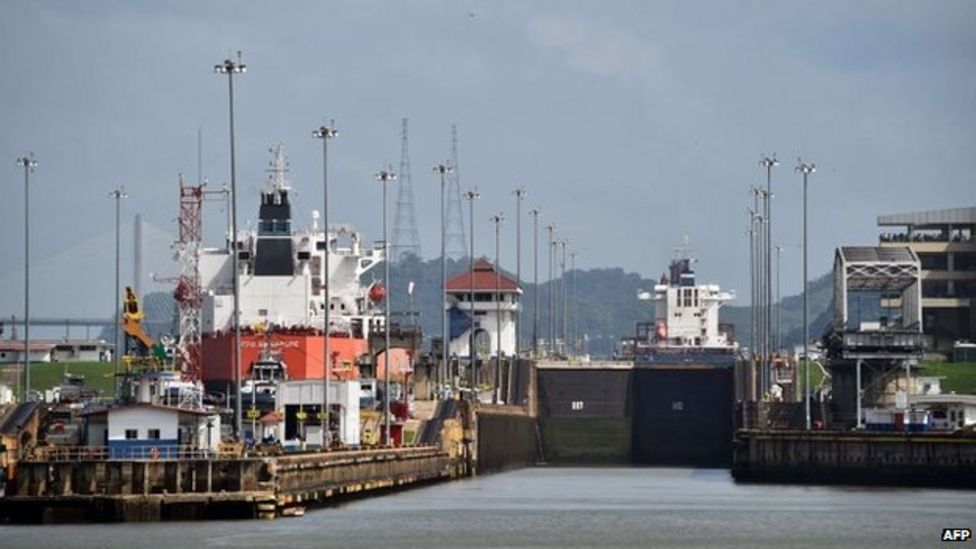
768, 163
552, 313
497, 221
117, 195
385, 177
519, 195
806, 170
230, 67
471, 196
443, 170
325, 133
535, 283
28, 163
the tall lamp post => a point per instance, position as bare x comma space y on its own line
444, 170
563, 288
497, 220
325, 133
572, 267
230, 68
471, 196
385, 177
118, 195
519, 195
552, 313
535, 283
768, 163
779, 336
28, 163
806, 170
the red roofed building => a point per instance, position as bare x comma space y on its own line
494, 293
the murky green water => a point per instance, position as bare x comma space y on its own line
569, 507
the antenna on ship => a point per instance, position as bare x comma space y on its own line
456, 245
278, 168
406, 239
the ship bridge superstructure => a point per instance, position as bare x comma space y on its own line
685, 312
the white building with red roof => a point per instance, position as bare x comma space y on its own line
491, 314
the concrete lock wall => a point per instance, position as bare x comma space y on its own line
506, 441
855, 458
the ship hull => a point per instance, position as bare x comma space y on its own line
301, 353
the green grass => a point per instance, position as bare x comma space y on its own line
47, 375
958, 376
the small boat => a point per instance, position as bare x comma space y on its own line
296, 511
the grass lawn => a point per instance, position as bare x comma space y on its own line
46, 375
958, 376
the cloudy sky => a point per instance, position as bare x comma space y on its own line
631, 124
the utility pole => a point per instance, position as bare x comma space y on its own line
325, 133
552, 313
535, 283
519, 195
497, 220
118, 195
576, 350
28, 163
806, 170
752, 302
443, 170
385, 177
779, 335
564, 289
471, 196
768, 163
230, 68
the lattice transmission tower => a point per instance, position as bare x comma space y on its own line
406, 239
456, 245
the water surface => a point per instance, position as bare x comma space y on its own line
569, 507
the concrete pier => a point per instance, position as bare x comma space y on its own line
152, 490
855, 457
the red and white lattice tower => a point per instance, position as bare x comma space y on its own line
188, 298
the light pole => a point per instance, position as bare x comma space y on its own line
28, 163
118, 194
325, 133
752, 301
230, 68
779, 335
443, 170
572, 259
497, 220
385, 177
535, 283
519, 195
806, 170
552, 313
471, 196
768, 163
563, 290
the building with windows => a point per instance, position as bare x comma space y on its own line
945, 245
496, 302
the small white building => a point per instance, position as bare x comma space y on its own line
82, 350
12, 351
294, 398
149, 431
949, 412
494, 294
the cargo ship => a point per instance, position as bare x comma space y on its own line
282, 296
683, 386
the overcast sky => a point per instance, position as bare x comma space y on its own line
630, 123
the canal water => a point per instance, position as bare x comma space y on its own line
569, 507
